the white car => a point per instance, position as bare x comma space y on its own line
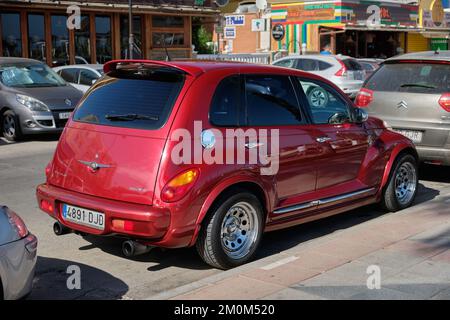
81, 76
343, 71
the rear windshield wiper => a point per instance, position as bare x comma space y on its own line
417, 85
130, 117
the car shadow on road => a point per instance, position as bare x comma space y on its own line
159, 258
434, 173
50, 282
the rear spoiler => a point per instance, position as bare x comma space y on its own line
187, 68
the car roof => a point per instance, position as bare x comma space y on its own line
443, 55
197, 67
11, 60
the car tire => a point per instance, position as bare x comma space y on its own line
10, 126
232, 231
402, 185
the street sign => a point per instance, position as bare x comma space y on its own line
278, 32
258, 25
235, 20
230, 32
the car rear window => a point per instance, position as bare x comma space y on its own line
352, 65
411, 77
132, 98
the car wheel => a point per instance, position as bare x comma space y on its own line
10, 126
402, 185
232, 232
318, 97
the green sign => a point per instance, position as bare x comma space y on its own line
439, 44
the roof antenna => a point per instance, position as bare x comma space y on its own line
165, 49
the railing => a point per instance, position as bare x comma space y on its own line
260, 58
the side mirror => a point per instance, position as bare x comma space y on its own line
361, 115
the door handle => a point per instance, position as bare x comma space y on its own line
323, 139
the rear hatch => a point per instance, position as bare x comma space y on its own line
406, 95
354, 70
113, 145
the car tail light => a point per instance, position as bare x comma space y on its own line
177, 188
342, 72
47, 206
364, 98
17, 224
444, 101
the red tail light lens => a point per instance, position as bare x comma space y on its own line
364, 98
342, 72
179, 186
17, 224
47, 206
444, 102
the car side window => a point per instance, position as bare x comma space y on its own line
87, 77
325, 105
308, 65
70, 75
287, 63
225, 105
271, 101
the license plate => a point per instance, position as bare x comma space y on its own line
414, 136
82, 216
64, 115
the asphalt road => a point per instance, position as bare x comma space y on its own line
105, 273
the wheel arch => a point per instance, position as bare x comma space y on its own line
224, 191
398, 151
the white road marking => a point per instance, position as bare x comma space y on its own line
279, 263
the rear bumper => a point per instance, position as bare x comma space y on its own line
151, 224
17, 263
433, 154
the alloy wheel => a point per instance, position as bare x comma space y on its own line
405, 182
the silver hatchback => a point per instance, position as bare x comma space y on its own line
343, 71
411, 93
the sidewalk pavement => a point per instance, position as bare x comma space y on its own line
411, 248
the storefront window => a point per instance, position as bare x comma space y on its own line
60, 40
137, 53
36, 36
83, 41
167, 22
11, 36
166, 39
103, 39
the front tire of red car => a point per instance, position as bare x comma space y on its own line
402, 185
232, 232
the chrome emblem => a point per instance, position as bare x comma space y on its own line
402, 104
94, 166
68, 102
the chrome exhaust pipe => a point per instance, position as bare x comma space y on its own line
60, 230
132, 248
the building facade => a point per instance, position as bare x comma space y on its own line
359, 28
39, 29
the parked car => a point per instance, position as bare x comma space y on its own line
411, 93
369, 65
343, 71
81, 76
124, 164
18, 249
33, 98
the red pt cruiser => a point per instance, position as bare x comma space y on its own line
211, 154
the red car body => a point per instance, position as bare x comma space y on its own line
356, 163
